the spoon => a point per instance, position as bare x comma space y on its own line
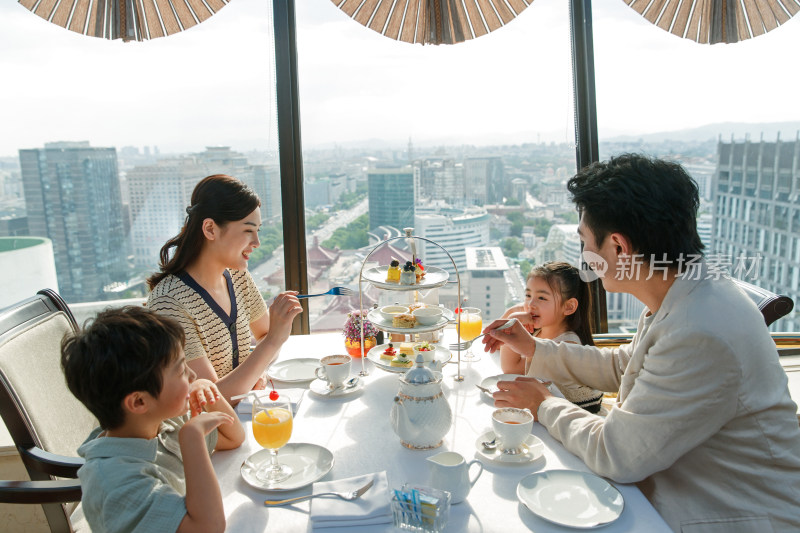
349, 384
490, 445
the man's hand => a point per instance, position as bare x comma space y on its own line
516, 337
522, 393
284, 308
201, 393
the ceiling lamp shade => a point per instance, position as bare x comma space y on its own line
433, 21
129, 20
716, 21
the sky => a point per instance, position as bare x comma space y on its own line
213, 84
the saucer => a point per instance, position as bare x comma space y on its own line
298, 370
534, 448
309, 463
571, 498
320, 388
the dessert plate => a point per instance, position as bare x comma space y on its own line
309, 463
376, 318
320, 388
294, 370
434, 277
534, 448
440, 354
571, 498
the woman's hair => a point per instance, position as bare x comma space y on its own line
565, 281
219, 197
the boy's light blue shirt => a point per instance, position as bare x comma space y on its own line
135, 485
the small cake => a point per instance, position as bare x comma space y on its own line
419, 305
389, 353
393, 274
404, 320
407, 276
419, 271
425, 349
407, 348
402, 361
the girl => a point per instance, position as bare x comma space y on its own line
206, 287
557, 306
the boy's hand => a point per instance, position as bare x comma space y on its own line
207, 422
201, 393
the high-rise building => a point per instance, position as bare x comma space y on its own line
454, 230
72, 196
485, 280
484, 179
160, 193
756, 228
392, 197
442, 178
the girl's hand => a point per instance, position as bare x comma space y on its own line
284, 308
201, 393
525, 319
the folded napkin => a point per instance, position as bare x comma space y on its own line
373, 507
245, 406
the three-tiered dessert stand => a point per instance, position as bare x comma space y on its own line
438, 278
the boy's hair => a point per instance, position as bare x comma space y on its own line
121, 351
651, 201
565, 281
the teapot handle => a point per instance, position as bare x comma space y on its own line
480, 471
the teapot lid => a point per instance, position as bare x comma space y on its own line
419, 374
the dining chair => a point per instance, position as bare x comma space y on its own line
772, 306
45, 421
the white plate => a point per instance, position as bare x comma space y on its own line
294, 370
434, 277
571, 498
491, 384
320, 388
440, 354
376, 318
534, 448
309, 462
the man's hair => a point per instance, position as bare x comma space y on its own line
651, 201
121, 351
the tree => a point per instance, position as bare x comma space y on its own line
511, 246
353, 236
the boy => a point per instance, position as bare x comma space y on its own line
147, 465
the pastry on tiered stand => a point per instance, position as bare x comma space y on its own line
408, 275
393, 273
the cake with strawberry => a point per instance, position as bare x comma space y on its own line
389, 353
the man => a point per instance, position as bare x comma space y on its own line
703, 423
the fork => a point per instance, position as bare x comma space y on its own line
461, 346
336, 291
343, 495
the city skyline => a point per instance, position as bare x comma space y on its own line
175, 94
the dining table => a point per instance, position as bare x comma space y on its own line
357, 430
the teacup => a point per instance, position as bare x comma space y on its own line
334, 369
511, 426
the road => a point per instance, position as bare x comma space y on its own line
337, 220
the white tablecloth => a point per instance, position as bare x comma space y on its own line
357, 430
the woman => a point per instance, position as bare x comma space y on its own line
206, 287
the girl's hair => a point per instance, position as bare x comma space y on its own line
219, 197
565, 281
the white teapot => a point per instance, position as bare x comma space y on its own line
420, 415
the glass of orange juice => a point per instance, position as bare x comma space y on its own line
272, 427
469, 328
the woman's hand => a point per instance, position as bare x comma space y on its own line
201, 393
284, 308
516, 337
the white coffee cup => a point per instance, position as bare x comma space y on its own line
334, 369
511, 426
